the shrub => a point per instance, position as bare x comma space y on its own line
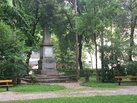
106, 75
12, 51
68, 72
12, 71
33, 78
131, 68
86, 73
119, 70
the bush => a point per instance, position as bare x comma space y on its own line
12, 53
119, 70
131, 68
12, 71
106, 75
86, 73
33, 78
68, 72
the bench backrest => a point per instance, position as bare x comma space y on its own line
5, 81
125, 77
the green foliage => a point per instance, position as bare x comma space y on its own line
99, 22
11, 70
106, 75
11, 53
69, 72
10, 43
131, 68
33, 78
13, 16
111, 55
120, 70
86, 73
66, 41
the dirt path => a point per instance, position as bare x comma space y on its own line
74, 89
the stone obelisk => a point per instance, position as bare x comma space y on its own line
47, 64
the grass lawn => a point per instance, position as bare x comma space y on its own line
101, 85
34, 88
96, 99
98, 85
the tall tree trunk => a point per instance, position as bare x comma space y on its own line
33, 30
132, 26
95, 38
96, 56
102, 55
28, 57
80, 37
77, 42
77, 57
27, 60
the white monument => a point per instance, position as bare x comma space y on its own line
47, 64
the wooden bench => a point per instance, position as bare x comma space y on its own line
6, 83
120, 79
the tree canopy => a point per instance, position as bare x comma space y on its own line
106, 27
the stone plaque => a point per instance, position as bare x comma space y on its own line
50, 65
48, 52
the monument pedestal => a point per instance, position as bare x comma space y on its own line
47, 66
47, 63
47, 72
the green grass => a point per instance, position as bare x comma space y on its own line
34, 88
96, 99
98, 85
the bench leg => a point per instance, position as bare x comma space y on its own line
7, 88
119, 83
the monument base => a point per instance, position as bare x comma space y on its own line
47, 66
47, 71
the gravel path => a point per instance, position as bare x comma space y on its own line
75, 90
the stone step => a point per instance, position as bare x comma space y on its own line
47, 80
49, 72
50, 78
26, 79
53, 80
